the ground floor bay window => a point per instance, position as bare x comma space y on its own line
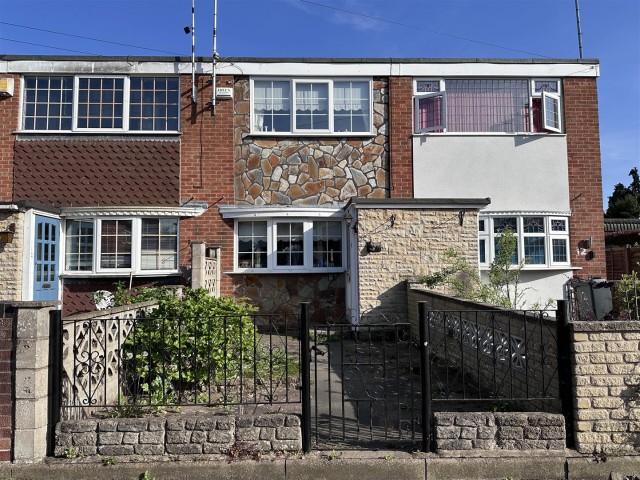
283, 240
542, 240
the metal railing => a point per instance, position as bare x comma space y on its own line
111, 364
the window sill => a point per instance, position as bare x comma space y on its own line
489, 134
250, 271
535, 268
310, 134
118, 274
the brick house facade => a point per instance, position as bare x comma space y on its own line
241, 176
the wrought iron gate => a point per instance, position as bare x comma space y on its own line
365, 385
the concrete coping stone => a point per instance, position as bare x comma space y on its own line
606, 326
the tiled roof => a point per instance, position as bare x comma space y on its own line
72, 172
620, 225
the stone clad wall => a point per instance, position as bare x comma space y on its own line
606, 366
415, 245
506, 431
180, 435
11, 258
309, 170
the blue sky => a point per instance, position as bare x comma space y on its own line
361, 28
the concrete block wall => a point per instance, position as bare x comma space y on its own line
179, 435
11, 258
414, 246
606, 368
506, 431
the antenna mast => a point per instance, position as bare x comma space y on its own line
579, 29
194, 87
215, 57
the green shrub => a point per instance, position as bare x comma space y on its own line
627, 296
187, 345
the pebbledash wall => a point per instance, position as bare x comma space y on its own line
606, 368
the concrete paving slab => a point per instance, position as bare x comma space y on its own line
586, 468
523, 468
353, 469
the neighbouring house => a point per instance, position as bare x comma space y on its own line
322, 180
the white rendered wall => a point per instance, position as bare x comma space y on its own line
539, 286
518, 172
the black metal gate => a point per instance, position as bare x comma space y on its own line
365, 385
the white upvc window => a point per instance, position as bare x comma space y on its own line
97, 103
311, 106
121, 245
487, 105
542, 240
289, 245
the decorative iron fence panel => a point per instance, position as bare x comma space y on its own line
133, 363
365, 386
493, 356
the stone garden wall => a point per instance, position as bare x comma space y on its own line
180, 435
506, 431
606, 367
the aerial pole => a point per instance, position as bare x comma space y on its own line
215, 57
579, 29
192, 30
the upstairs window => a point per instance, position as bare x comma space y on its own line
487, 105
311, 106
93, 103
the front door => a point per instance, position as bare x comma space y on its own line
46, 253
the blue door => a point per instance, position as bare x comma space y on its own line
46, 244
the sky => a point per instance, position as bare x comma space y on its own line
360, 28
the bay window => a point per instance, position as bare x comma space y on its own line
289, 245
320, 106
506, 105
121, 245
88, 103
541, 241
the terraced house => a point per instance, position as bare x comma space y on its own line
322, 180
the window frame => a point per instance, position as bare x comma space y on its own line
307, 229
556, 97
136, 248
294, 129
491, 237
126, 105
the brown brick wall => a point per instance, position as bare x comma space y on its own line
206, 172
6, 381
400, 136
8, 125
585, 178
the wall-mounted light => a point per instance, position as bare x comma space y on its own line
373, 247
6, 235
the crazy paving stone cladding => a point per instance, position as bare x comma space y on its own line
78, 173
309, 171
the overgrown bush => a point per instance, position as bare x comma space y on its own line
186, 345
627, 296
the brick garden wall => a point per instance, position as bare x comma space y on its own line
606, 367
183, 435
6, 380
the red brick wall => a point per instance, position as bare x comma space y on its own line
206, 172
6, 381
585, 179
400, 136
8, 125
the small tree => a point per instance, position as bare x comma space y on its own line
624, 202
